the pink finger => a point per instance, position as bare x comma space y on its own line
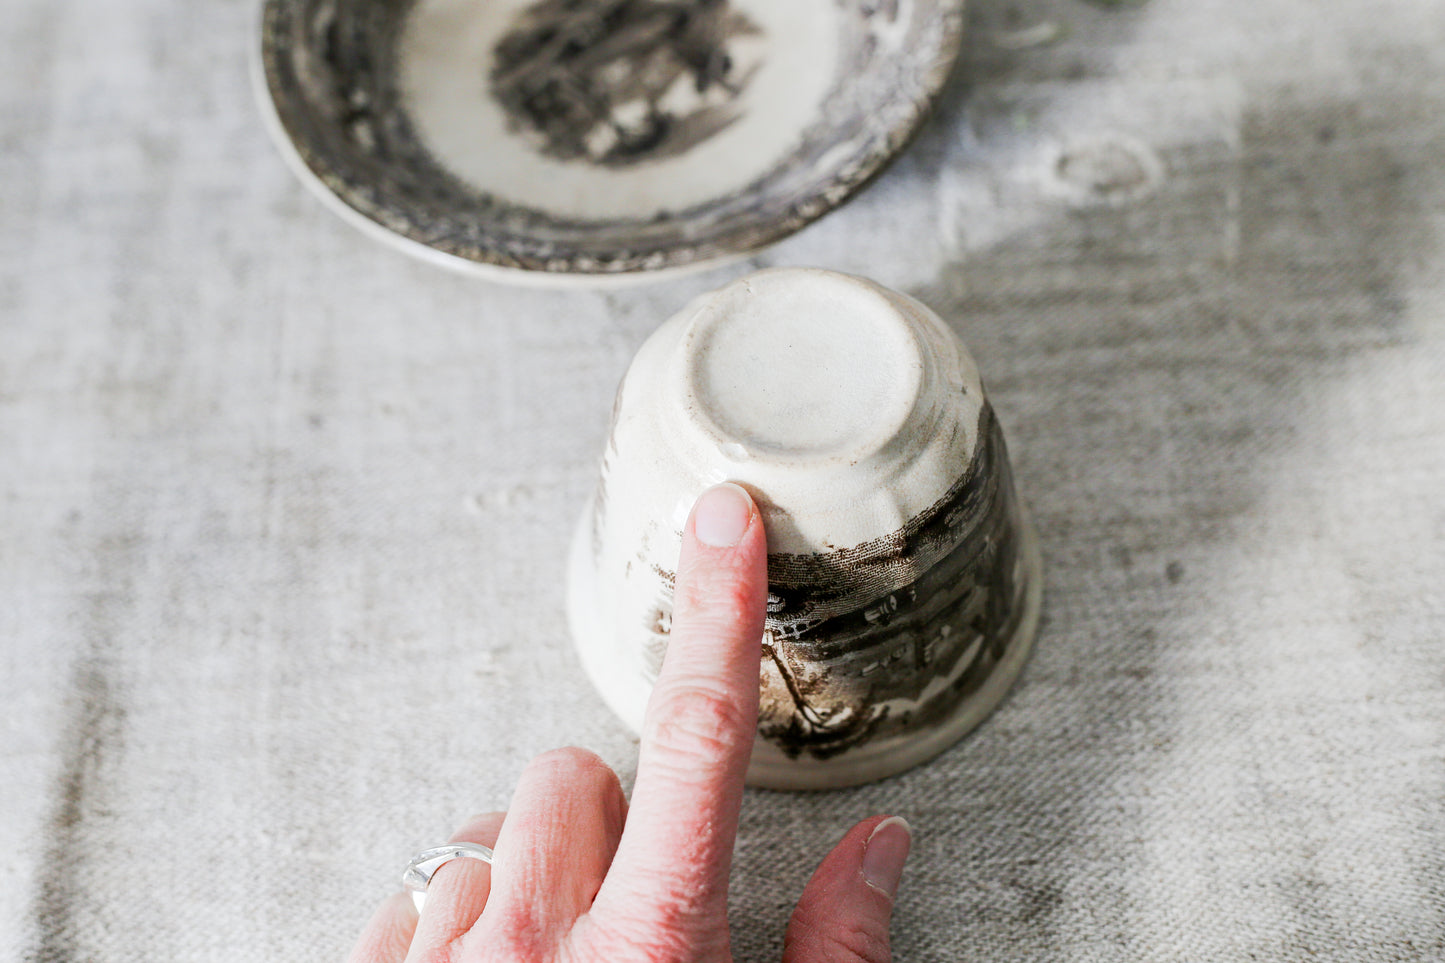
672, 865
562, 829
458, 893
844, 913
388, 935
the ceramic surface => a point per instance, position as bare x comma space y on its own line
595, 138
904, 581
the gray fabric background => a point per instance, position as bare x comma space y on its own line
283, 513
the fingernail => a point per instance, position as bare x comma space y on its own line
722, 515
885, 853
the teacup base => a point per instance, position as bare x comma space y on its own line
626, 690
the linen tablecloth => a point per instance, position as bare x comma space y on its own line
283, 513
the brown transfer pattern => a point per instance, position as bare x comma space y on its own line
849, 648
600, 81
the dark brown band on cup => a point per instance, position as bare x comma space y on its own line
904, 659
889, 636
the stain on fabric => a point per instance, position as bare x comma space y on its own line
1111, 169
94, 734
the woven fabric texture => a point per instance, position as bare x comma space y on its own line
283, 513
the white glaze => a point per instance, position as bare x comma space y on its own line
799, 391
845, 408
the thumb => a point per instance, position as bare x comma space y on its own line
846, 907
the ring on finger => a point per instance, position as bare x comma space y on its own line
424, 866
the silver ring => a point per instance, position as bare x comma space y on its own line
424, 866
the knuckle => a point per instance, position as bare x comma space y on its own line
713, 605
699, 721
510, 939
482, 828
568, 764
649, 942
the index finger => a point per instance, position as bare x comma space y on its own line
672, 864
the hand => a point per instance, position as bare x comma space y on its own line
578, 878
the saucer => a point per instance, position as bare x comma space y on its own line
553, 140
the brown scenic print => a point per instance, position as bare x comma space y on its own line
850, 648
613, 82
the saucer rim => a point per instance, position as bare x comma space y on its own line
683, 258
